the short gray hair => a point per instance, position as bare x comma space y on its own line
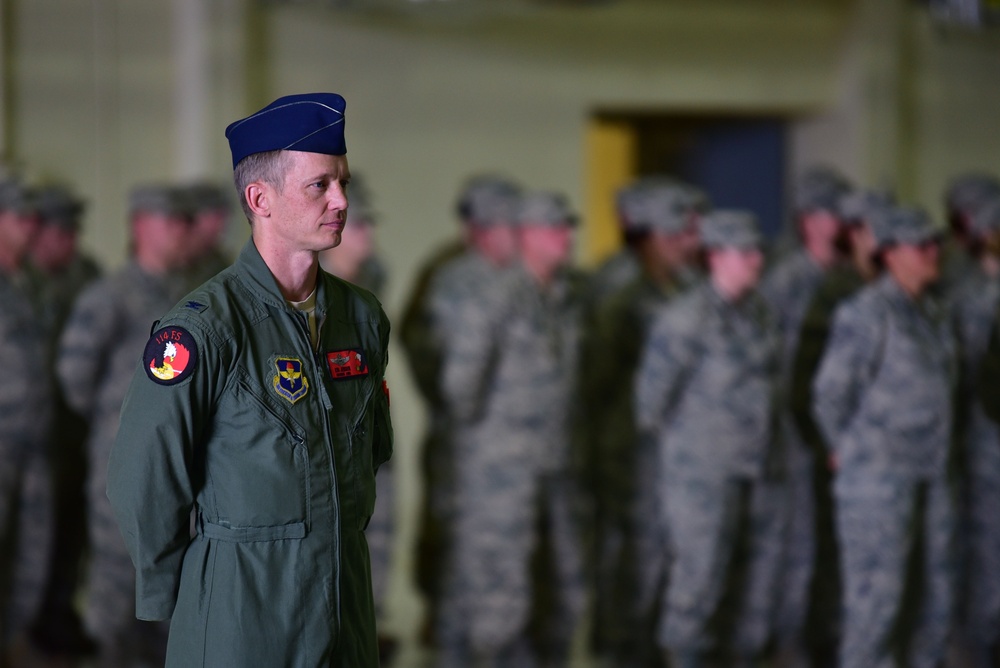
267, 167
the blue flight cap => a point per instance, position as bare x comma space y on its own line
310, 122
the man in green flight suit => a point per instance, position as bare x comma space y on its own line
260, 404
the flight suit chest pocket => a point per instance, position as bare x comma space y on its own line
351, 382
257, 461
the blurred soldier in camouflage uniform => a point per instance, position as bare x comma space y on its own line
356, 261
623, 266
486, 208
883, 398
62, 272
975, 304
106, 332
965, 194
211, 209
629, 551
857, 213
706, 390
514, 588
26, 513
788, 289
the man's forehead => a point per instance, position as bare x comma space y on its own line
319, 164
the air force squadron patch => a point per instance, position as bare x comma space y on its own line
346, 364
290, 382
170, 356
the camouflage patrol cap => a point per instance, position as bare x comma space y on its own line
904, 225
488, 200
820, 189
986, 219
16, 197
58, 206
544, 209
659, 202
629, 204
207, 196
859, 205
159, 198
360, 211
664, 207
968, 192
730, 228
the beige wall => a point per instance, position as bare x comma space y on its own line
97, 86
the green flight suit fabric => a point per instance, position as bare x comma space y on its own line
276, 446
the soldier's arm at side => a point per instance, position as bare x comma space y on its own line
150, 482
989, 374
472, 325
850, 358
669, 352
83, 347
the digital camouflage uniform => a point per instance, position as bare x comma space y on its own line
823, 621
632, 554
707, 391
619, 297
706, 388
789, 289
26, 512
423, 357
59, 624
485, 201
630, 551
974, 304
508, 378
98, 351
883, 400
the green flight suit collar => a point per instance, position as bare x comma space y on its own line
258, 277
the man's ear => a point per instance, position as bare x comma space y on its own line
258, 198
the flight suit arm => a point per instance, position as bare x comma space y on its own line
151, 483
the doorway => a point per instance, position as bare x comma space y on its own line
739, 161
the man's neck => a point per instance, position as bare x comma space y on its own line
730, 291
539, 271
990, 265
914, 289
822, 253
294, 272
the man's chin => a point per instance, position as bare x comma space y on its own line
332, 243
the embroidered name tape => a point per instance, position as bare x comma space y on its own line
170, 356
345, 364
